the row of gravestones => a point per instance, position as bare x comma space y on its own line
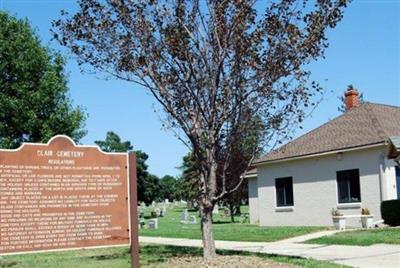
227, 212
157, 212
186, 218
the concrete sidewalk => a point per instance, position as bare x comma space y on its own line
380, 255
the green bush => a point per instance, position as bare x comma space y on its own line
390, 210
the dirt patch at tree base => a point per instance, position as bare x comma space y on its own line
224, 262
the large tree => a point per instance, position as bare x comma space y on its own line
206, 62
34, 105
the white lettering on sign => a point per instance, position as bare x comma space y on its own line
66, 154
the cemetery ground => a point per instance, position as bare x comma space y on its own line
153, 256
170, 226
387, 235
174, 256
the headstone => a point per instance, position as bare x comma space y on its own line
141, 213
142, 223
166, 201
184, 216
153, 204
163, 211
155, 213
192, 220
227, 212
216, 209
153, 224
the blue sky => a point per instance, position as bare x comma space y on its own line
364, 51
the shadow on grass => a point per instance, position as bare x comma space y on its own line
222, 222
193, 210
112, 256
175, 251
6, 264
150, 254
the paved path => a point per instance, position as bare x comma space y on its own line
380, 255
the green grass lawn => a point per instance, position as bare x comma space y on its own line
361, 237
119, 257
224, 229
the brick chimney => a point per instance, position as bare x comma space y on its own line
352, 98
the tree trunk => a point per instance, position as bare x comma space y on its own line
209, 188
237, 211
209, 251
231, 208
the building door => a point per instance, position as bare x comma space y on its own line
398, 182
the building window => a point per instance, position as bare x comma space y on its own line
284, 192
348, 183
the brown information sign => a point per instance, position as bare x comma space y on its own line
59, 195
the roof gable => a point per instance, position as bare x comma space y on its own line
394, 148
366, 125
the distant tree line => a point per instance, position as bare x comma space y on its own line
150, 187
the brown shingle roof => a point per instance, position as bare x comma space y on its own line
366, 125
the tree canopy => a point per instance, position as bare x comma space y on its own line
187, 188
34, 104
168, 187
113, 143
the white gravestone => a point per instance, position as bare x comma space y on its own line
216, 209
153, 224
158, 211
192, 220
184, 216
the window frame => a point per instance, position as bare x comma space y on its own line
349, 188
278, 205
